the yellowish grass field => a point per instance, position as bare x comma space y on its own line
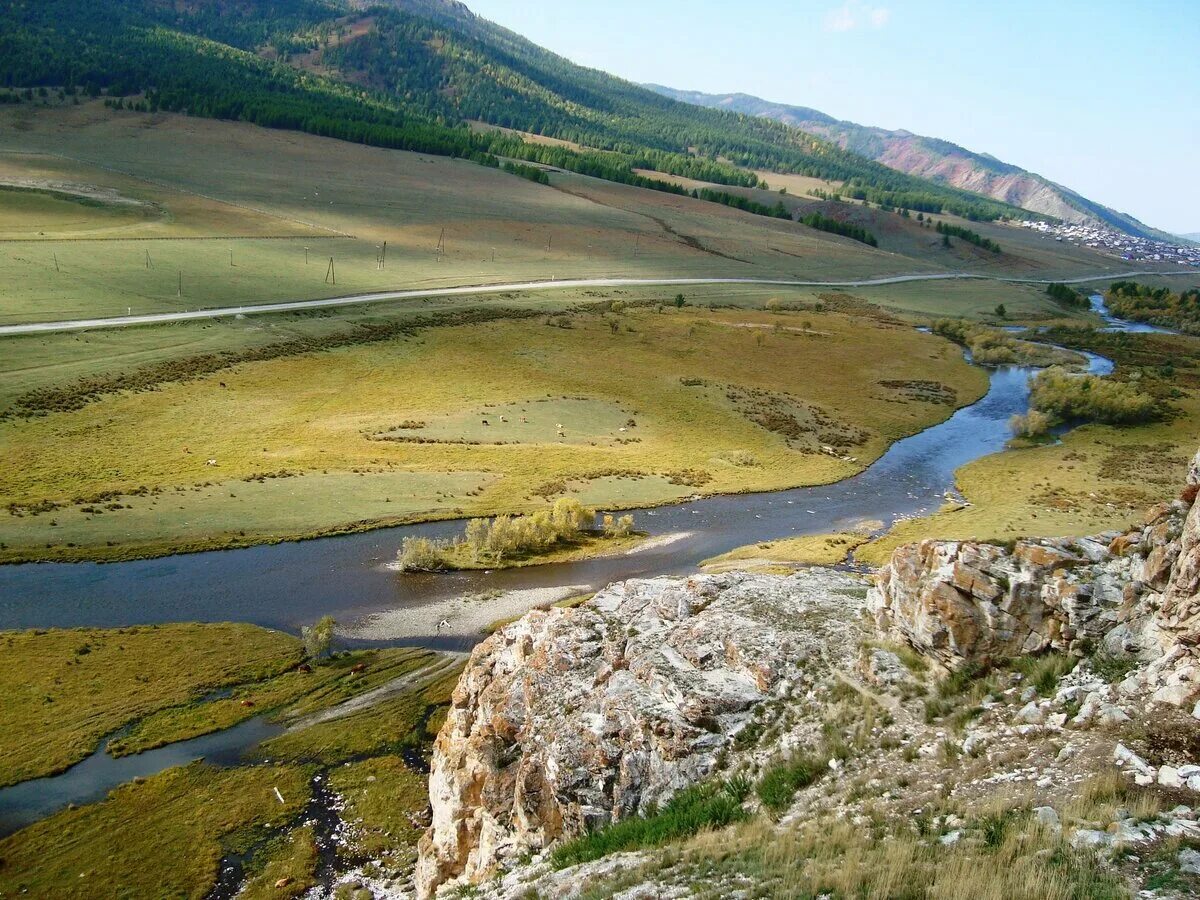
266, 195
704, 388
160, 838
64, 690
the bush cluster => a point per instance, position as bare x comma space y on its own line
1065, 397
504, 537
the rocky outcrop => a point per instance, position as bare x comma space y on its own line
959, 602
572, 718
1136, 593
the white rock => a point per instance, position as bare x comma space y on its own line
1189, 861
950, 839
1188, 771
1193, 783
1123, 754
1174, 694
1031, 713
1111, 716
1047, 818
1143, 779
1196, 710
1129, 686
1168, 776
1087, 838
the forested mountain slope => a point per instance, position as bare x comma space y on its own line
411, 74
932, 158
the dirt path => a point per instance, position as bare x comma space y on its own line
436, 667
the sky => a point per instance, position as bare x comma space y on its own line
1101, 96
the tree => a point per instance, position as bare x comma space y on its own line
679, 301
946, 240
318, 637
1001, 311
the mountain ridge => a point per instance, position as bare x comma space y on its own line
931, 158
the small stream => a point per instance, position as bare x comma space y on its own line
286, 585
92, 778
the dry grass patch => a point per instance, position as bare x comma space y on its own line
808, 550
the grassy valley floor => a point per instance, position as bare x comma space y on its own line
654, 403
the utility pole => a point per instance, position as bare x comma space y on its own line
56, 262
306, 256
231, 257
330, 273
181, 282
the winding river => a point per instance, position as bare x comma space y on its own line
285, 585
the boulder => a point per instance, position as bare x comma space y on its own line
966, 602
569, 719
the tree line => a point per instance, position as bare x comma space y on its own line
1155, 305
971, 237
834, 226
1066, 295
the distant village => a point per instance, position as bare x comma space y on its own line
1118, 243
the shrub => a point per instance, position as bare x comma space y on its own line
318, 637
1065, 397
1033, 424
1044, 672
419, 554
712, 805
782, 779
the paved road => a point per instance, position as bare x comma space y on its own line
356, 299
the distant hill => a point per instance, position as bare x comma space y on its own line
937, 160
415, 74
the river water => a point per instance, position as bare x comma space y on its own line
286, 585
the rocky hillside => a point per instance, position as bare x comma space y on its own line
937, 160
974, 720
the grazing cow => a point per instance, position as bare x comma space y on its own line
358, 667
486, 422
211, 462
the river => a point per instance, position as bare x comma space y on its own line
286, 585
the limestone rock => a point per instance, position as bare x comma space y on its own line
573, 718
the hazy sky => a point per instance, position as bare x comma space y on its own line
1101, 96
